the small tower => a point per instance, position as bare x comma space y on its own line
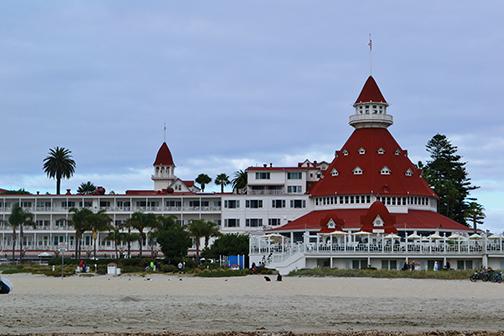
164, 168
370, 108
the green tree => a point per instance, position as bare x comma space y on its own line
203, 180
59, 164
475, 213
81, 221
222, 180
173, 239
199, 229
447, 175
239, 181
18, 219
15, 192
98, 222
86, 188
229, 244
129, 236
141, 221
116, 236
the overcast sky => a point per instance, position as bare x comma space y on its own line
240, 83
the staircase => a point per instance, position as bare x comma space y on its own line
285, 263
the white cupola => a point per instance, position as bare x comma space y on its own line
370, 108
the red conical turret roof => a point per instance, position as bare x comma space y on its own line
164, 156
371, 150
370, 93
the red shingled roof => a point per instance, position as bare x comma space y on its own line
164, 156
357, 219
370, 93
371, 140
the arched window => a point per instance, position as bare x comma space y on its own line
357, 171
385, 171
362, 151
345, 152
409, 172
381, 151
334, 172
397, 152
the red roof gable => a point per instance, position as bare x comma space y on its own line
164, 156
371, 181
370, 93
356, 219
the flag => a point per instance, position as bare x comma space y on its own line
370, 44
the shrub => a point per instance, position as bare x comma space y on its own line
168, 268
373, 273
217, 273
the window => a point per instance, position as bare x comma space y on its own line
298, 204
104, 204
254, 204
362, 151
262, 176
381, 151
385, 171
253, 222
334, 172
357, 171
232, 222
397, 152
345, 152
274, 221
294, 189
170, 204
378, 221
294, 175
278, 203
232, 204
409, 172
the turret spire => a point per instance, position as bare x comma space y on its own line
370, 108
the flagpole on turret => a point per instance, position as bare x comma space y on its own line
370, 44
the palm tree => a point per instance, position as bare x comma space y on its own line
81, 222
99, 221
59, 164
202, 229
117, 237
239, 181
141, 221
86, 188
222, 180
18, 218
130, 237
203, 180
476, 214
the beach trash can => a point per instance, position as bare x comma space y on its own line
112, 269
118, 271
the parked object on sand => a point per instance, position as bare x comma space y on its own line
5, 286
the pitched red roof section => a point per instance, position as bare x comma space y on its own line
378, 209
189, 184
371, 181
2, 191
164, 156
356, 219
370, 93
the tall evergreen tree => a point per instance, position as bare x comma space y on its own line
475, 213
447, 175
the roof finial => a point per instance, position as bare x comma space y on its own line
370, 44
164, 132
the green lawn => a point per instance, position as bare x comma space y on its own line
370, 273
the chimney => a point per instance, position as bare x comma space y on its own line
68, 192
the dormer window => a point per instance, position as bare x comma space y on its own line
362, 151
397, 152
409, 172
345, 152
334, 172
385, 171
378, 221
331, 224
357, 171
381, 151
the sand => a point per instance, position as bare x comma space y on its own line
44, 305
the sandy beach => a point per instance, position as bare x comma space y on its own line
129, 304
